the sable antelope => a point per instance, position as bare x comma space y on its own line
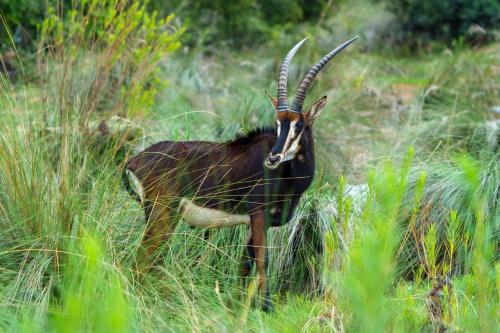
256, 179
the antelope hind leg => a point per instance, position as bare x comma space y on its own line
161, 221
259, 246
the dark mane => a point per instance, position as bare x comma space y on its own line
244, 139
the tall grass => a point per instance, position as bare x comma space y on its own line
446, 207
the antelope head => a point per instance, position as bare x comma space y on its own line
293, 122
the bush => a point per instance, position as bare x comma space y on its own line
20, 18
444, 20
242, 22
101, 58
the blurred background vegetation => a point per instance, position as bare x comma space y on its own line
403, 215
247, 23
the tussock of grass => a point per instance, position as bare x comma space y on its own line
449, 204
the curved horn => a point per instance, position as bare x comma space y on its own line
283, 76
298, 101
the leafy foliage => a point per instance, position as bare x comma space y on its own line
446, 20
103, 55
21, 19
242, 22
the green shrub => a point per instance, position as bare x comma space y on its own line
100, 59
444, 20
242, 22
20, 18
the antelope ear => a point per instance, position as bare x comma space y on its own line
315, 110
274, 101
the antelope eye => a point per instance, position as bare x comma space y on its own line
299, 126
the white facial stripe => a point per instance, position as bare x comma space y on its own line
289, 138
291, 146
293, 150
294, 147
279, 127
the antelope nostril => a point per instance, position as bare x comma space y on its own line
274, 158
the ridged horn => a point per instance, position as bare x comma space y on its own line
298, 101
283, 76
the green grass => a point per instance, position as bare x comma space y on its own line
423, 244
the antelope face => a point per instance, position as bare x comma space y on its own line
291, 122
290, 129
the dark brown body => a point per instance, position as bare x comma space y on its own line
227, 176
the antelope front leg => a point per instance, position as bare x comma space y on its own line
259, 230
248, 259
